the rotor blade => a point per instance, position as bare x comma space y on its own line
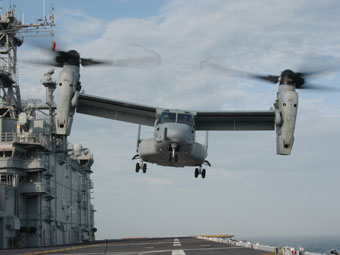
143, 62
153, 59
91, 62
315, 73
57, 58
316, 65
311, 86
41, 62
220, 69
45, 51
269, 78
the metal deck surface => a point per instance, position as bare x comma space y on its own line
155, 246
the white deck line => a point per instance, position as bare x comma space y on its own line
177, 252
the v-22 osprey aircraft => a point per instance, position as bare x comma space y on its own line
174, 142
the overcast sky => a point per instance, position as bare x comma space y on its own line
249, 190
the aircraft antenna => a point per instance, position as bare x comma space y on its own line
20, 13
44, 11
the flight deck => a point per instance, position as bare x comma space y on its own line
154, 246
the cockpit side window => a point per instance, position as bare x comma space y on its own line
185, 119
166, 117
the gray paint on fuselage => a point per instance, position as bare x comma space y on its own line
66, 87
158, 149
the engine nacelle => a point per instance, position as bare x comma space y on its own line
285, 123
67, 91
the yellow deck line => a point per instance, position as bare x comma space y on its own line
63, 249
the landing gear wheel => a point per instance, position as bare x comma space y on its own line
196, 172
203, 173
144, 168
137, 167
175, 158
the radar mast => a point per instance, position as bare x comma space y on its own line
12, 33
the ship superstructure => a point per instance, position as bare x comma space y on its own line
45, 185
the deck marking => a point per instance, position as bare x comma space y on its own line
62, 249
177, 242
177, 252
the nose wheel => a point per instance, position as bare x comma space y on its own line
142, 166
200, 171
173, 157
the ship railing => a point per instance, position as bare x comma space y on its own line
33, 188
91, 185
38, 139
257, 246
8, 137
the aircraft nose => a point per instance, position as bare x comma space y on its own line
179, 134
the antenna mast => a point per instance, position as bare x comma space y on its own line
12, 33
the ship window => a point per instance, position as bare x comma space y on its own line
32, 177
6, 179
166, 117
185, 119
6, 154
284, 104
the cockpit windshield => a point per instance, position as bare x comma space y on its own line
167, 117
185, 119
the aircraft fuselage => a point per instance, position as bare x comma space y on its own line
173, 143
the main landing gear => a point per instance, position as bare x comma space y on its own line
200, 171
139, 166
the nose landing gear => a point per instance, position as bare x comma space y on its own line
173, 156
200, 171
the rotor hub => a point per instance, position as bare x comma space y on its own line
71, 57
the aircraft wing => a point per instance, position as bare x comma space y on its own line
237, 121
116, 110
